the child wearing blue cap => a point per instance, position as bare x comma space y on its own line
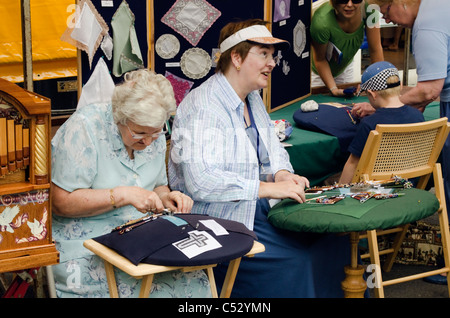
381, 82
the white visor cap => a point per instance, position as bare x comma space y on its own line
255, 33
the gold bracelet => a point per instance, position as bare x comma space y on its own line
111, 196
333, 88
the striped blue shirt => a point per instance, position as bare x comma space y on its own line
212, 159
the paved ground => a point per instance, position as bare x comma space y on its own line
417, 288
413, 289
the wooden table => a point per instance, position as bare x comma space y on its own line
146, 271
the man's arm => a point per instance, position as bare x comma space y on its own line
424, 93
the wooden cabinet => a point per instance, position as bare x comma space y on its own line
25, 201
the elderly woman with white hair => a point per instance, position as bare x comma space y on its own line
108, 167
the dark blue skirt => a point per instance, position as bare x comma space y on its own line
294, 265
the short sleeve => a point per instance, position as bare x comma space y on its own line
74, 155
320, 33
431, 68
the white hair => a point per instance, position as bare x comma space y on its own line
145, 98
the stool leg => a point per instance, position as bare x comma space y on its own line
212, 282
109, 269
229, 278
146, 286
375, 260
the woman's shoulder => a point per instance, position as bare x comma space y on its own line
324, 14
90, 112
208, 96
92, 118
323, 23
93, 109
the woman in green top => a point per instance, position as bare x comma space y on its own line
337, 32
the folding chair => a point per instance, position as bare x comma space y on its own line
408, 151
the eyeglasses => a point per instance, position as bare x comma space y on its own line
346, 1
142, 136
267, 57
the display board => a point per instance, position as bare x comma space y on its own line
186, 35
291, 80
132, 18
179, 39
182, 45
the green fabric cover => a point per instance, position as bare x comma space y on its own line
414, 205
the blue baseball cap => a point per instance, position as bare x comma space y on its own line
375, 76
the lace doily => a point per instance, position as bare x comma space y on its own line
299, 38
195, 63
167, 46
191, 18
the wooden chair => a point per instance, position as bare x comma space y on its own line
408, 151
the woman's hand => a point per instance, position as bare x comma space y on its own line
337, 92
284, 175
90, 202
157, 200
347, 92
286, 185
177, 201
143, 200
282, 190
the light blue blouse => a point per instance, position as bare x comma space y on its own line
88, 152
